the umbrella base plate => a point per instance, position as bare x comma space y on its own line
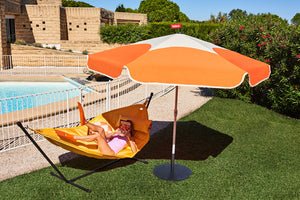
165, 172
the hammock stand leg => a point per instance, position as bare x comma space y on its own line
61, 176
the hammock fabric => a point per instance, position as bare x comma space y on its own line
138, 114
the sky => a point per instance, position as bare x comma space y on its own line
202, 9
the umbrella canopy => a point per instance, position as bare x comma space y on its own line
179, 59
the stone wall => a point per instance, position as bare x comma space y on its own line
24, 2
12, 6
89, 46
23, 27
4, 46
123, 17
48, 23
44, 23
107, 17
83, 24
50, 2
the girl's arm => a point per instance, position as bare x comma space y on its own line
132, 144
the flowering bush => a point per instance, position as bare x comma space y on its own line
270, 39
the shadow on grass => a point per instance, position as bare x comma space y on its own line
193, 142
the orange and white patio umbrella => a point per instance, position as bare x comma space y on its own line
179, 59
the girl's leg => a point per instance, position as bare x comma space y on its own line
100, 138
83, 121
103, 147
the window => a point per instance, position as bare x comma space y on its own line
43, 22
77, 26
85, 29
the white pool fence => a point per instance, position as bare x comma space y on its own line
14, 65
59, 108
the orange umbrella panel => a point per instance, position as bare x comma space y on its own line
180, 60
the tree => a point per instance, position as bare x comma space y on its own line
161, 11
237, 14
183, 17
120, 8
221, 18
72, 3
296, 19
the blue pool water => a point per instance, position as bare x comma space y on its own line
27, 100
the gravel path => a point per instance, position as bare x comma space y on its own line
27, 159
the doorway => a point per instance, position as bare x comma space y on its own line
10, 28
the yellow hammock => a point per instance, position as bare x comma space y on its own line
136, 113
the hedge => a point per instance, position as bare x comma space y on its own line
130, 33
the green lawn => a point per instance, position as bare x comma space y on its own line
235, 151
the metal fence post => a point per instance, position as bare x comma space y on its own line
68, 110
108, 96
118, 93
81, 95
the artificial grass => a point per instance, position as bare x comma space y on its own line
235, 151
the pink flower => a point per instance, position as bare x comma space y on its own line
259, 45
298, 56
267, 60
253, 54
265, 43
296, 86
241, 28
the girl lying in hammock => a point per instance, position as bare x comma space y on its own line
109, 142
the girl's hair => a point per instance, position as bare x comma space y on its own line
126, 125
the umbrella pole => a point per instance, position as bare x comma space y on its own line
174, 131
173, 172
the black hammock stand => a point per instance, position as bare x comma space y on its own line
60, 174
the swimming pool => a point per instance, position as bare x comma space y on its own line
16, 89
22, 95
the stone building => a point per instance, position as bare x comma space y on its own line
49, 23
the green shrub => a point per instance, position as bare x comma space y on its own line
54, 47
197, 30
124, 34
37, 45
270, 39
85, 52
130, 33
20, 42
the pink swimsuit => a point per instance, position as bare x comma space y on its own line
117, 143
